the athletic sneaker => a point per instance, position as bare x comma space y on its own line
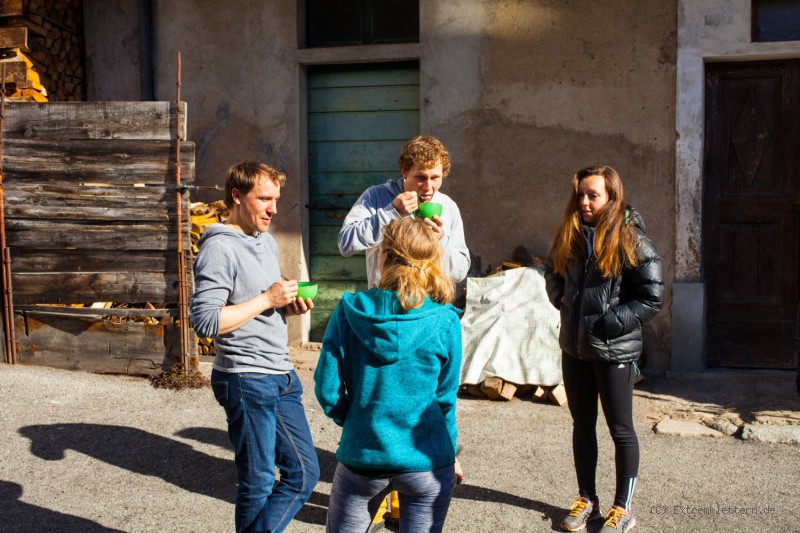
618, 519
582, 511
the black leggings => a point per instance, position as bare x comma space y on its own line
583, 381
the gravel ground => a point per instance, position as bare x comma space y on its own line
89, 453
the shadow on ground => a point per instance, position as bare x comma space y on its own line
179, 464
20, 517
752, 396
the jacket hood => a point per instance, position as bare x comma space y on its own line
638, 221
384, 328
217, 230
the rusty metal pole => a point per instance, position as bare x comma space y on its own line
8, 294
183, 308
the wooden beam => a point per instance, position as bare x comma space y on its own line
10, 8
14, 37
94, 162
94, 120
16, 72
82, 287
46, 234
64, 202
96, 345
31, 260
54, 310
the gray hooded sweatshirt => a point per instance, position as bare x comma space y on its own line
230, 269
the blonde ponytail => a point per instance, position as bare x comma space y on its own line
412, 264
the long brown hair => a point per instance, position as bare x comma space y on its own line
413, 264
614, 240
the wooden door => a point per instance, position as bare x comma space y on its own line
359, 117
751, 214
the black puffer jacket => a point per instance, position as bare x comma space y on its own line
602, 318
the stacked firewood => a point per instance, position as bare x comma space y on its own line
204, 215
495, 388
41, 42
520, 257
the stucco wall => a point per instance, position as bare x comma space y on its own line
113, 51
523, 94
526, 93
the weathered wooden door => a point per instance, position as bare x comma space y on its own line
359, 117
751, 215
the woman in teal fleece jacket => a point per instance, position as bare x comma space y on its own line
388, 373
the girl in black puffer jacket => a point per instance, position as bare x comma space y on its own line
604, 275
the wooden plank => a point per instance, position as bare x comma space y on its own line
14, 37
154, 121
141, 204
85, 287
92, 311
369, 156
10, 8
401, 73
330, 292
16, 72
97, 345
335, 268
140, 214
323, 240
382, 98
80, 161
68, 234
328, 217
33, 260
349, 182
330, 210
74, 195
373, 126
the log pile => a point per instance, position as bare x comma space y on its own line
204, 215
495, 388
41, 44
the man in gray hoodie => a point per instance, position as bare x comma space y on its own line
242, 300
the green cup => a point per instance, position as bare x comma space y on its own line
306, 290
428, 210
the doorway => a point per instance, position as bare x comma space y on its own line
359, 117
751, 213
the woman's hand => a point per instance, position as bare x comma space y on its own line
459, 473
298, 306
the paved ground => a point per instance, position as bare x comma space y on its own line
89, 453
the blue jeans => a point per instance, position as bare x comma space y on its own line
424, 499
268, 428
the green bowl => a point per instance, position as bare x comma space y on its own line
306, 290
429, 210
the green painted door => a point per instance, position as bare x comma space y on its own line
359, 117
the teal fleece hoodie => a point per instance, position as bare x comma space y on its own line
390, 379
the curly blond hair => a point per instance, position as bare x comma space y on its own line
425, 151
412, 265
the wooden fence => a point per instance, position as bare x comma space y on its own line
90, 216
